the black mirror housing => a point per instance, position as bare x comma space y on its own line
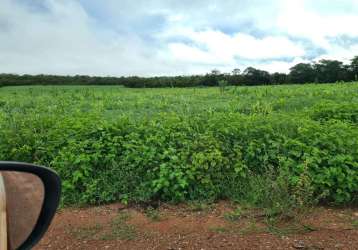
52, 192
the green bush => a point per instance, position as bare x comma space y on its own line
347, 112
264, 158
175, 159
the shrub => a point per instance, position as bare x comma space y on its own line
267, 158
347, 112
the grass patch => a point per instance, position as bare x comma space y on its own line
252, 228
198, 206
233, 216
120, 229
220, 229
86, 233
152, 214
293, 227
123, 232
277, 198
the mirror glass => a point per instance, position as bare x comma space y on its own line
23, 195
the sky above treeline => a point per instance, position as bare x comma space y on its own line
170, 37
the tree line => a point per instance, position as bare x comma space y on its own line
323, 71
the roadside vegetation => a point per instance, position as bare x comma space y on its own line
278, 148
323, 71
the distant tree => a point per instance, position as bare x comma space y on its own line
322, 71
354, 68
302, 73
329, 71
279, 78
347, 74
212, 79
252, 76
236, 72
215, 72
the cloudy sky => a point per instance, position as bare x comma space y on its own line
172, 37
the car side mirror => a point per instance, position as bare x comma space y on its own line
29, 197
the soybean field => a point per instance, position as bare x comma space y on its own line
266, 145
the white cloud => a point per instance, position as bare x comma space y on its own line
344, 54
280, 66
299, 18
216, 48
156, 37
64, 41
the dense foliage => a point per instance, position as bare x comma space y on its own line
324, 71
114, 143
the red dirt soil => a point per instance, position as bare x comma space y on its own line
188, 227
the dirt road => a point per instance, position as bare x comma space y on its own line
198, 227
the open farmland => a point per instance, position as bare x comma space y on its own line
298, 142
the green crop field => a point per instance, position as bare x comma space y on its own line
291, 142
